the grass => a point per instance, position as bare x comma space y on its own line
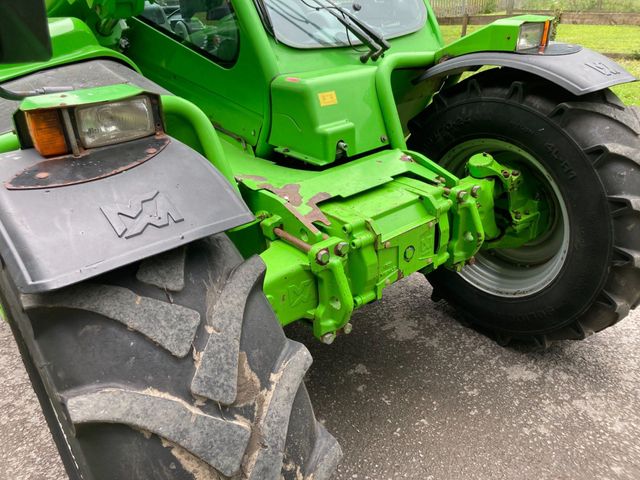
630, 92
602, 38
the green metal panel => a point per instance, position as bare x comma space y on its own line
231, 98
72, 41
313, 111
80, 97
501, 35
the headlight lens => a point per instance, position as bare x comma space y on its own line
117, 122
533, 36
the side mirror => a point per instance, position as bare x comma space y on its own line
24, 31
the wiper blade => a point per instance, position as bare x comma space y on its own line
376, 42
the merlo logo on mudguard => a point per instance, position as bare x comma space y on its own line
130, 220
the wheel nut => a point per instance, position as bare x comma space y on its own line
505, 174
328, 338
341, 249
515, 173
474, 191
518, 215
347, 329
322, 257
461, 195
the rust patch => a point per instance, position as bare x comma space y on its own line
315, 215
255, 178
92, 165
290, 192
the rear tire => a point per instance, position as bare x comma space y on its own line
590, 148
175, 368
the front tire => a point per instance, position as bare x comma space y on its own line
586, 150
174, 368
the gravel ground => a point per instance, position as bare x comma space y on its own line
412, 394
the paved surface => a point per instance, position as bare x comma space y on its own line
411, 394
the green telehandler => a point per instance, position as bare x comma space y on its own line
182, 178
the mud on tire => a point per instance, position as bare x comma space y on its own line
175, 368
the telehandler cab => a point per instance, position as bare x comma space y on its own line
181, 178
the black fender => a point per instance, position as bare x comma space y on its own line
576, 69
56, 232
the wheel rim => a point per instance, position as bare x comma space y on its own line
528, 269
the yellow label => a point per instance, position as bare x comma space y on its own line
328, 98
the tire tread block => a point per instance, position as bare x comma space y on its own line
220, 442
171, 326
276, 410
327, 453
165, 271
216, 374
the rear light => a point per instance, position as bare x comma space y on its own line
46, 129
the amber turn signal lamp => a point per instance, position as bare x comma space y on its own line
545, 36
47, 132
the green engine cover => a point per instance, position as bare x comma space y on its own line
318, 116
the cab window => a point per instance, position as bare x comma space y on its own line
207, 26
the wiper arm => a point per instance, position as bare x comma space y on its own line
376, 42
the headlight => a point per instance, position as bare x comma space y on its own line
116, 122
533, 36
72, 129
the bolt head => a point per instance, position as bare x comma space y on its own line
462, 194
506, 174
475, 190
472, 261
518, 215
446, 191
328, 338
341, 249
323, 257
347, 329
515, 173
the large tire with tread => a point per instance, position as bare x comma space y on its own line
589, 147
173, 368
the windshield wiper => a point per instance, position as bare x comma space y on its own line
374, 41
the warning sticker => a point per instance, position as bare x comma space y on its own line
328, 98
